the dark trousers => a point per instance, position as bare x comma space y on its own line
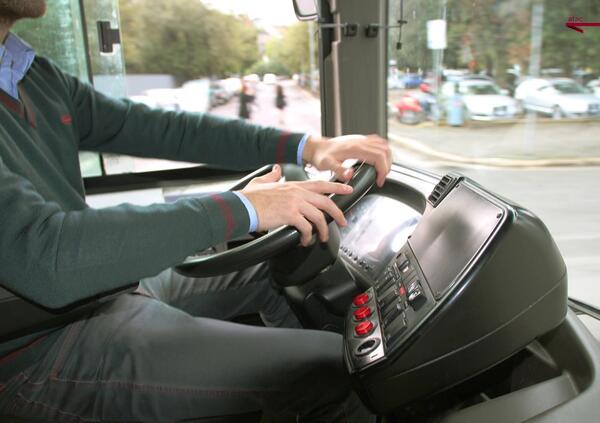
167, 353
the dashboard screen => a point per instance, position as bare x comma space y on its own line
377, 228
451, 235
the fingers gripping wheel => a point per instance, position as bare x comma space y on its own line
277, 241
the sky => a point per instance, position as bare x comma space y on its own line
271, 12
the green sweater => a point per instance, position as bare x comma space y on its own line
54, 249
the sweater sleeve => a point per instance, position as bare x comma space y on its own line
55, 257
120, 126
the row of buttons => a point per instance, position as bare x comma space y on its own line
364, 327
397, 289
352, 255
399, 278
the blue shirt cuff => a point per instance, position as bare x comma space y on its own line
251, 211
301, 149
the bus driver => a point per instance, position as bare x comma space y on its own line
167, 351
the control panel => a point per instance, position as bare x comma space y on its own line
381, 317
439, 307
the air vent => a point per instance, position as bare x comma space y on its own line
443, 187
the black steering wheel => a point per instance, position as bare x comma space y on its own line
274, 242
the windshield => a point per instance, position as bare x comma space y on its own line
527, 146
568, 87
479, 89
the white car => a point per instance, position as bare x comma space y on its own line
483, 99
270, 78
594, 85
557, 97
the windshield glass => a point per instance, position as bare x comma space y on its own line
521, 145
568, 87
479, 89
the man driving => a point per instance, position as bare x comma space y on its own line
168, 351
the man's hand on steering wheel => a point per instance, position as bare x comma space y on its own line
295, 203
301, 204
330, 153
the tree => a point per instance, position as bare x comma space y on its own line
186, 39
494, 35
291, 50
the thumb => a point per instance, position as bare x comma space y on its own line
273, 176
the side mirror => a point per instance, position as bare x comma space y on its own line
306, 10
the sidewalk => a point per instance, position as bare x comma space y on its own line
533, 142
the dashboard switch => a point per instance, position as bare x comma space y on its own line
361, 299
362, 313
416, 298
364, 328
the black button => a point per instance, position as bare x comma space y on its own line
395, 328
401, 261
388, 297
416, 298
391, 313
412, 285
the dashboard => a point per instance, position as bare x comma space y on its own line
456, 289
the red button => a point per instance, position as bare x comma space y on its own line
360, 299
402, 291
362, 313
364, 328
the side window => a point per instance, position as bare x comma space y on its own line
59, 36
250, 60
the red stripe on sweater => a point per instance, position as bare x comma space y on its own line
227, 214
280, 149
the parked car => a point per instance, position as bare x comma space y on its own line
557, 97
594, 87
483, 99
270, 78
411, 80
218, 94
253, 78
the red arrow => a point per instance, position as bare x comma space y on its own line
576, 25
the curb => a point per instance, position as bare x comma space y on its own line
421, 148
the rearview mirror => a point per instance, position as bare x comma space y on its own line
306, 10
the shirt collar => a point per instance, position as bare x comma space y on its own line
16, 57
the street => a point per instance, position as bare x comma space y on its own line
302, 114
530, 138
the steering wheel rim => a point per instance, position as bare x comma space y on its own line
274, 242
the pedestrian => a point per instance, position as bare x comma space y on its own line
246, 98
280, 103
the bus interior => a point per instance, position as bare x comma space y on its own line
452, 299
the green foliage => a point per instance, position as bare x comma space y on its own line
494, 35
262, 67
186, 39
291, 51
